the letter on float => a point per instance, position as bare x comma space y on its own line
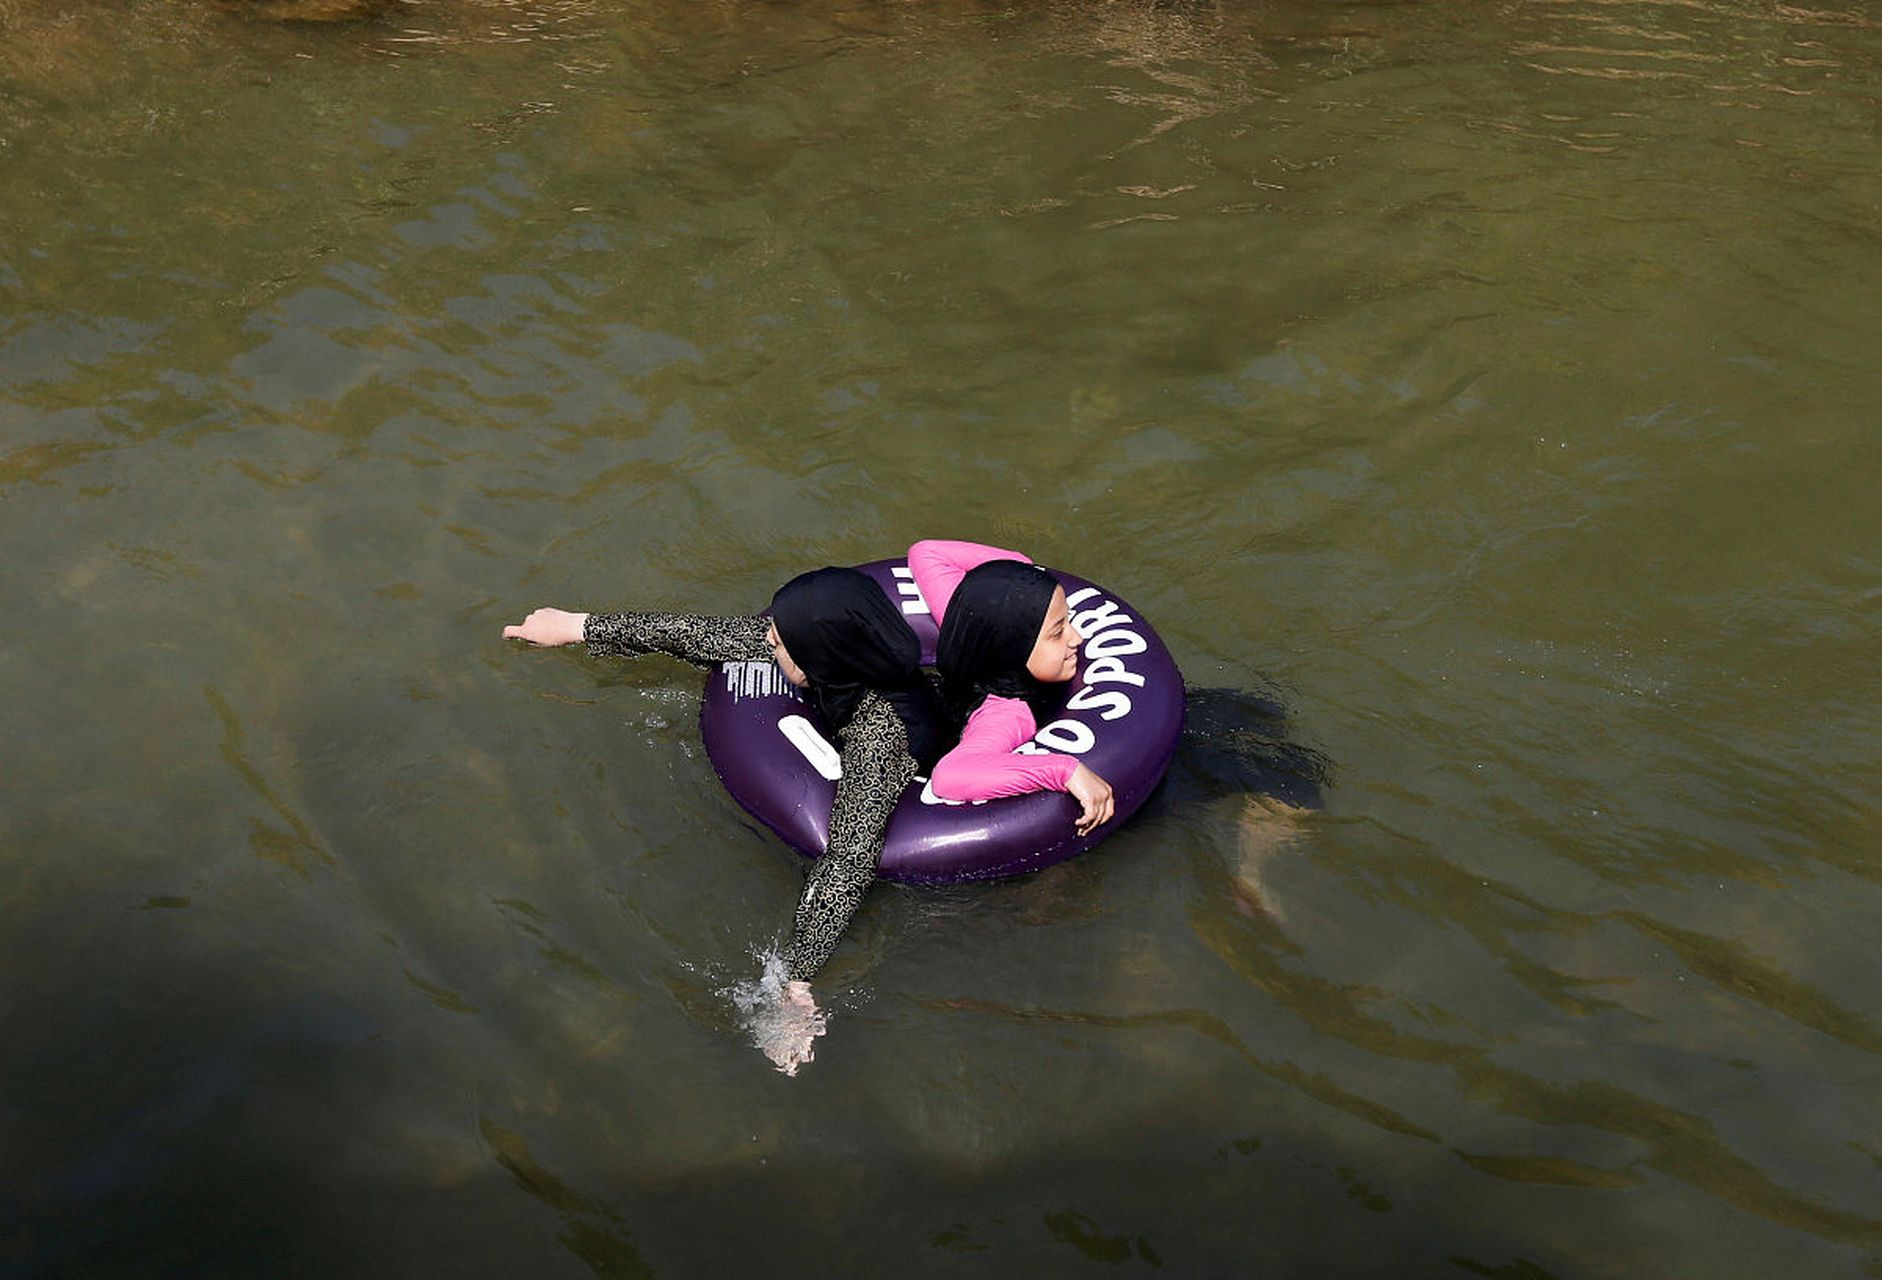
1115, 644
1098, 617
1081, 595
1068, 736
1110, 671
1110, 704
913, 602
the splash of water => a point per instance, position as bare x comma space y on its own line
778, 1014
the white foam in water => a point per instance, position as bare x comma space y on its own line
780, 1024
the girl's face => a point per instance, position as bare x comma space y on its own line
1055, 653
792, 672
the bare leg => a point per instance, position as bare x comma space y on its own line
1266, 828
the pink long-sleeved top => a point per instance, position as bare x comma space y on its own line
984, 766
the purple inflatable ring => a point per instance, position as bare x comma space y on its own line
1122, 715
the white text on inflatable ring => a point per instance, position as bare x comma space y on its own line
912, 601
757, 680
1108, 642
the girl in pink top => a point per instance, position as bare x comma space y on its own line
1006, 640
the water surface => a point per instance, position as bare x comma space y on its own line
1492, 385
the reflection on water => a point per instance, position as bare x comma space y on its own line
593, 1232
1478, 395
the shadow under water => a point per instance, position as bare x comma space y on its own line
1238, 742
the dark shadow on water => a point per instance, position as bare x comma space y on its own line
1238, 742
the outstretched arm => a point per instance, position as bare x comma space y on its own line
682, 635
876, 769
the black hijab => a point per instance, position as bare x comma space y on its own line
991, 626
848, 638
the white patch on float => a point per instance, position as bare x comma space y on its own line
913, 602
812, 745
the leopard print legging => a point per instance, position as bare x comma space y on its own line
873, 747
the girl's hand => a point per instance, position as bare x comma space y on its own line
794, 1024
548, 627
1094, 797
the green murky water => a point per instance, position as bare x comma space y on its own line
1496, 383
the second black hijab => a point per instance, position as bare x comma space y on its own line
842, 630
